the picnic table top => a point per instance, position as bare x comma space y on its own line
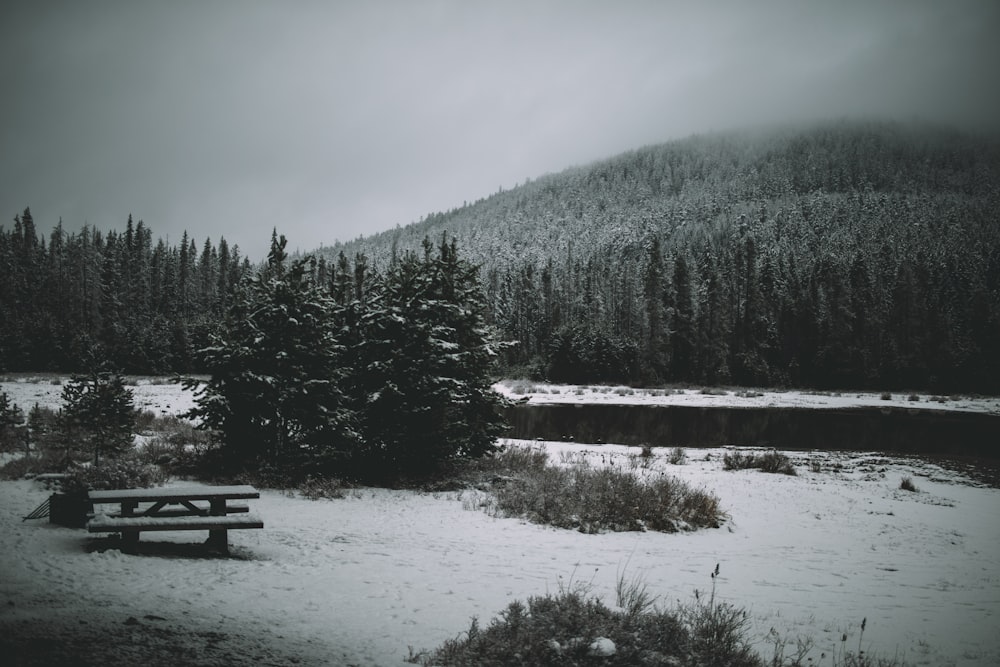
174, 494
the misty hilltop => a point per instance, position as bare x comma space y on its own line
846, 254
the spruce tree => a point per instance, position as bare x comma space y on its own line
423, 368
274, 395
98, 416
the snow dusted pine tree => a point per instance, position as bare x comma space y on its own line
423, 367
274, 393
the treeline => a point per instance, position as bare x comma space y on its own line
850, 255
85, 299
844, 256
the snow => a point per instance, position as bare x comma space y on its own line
200, 492
364, 579
149, 393
538, 393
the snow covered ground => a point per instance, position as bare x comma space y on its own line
156, 394
363, 579
538, 393
162, 397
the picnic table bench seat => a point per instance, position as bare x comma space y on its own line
103, 523
194, 508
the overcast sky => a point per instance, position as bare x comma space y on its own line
331, 119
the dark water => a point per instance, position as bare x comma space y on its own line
898, 430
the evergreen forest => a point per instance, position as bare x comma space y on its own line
853, 254
88, 299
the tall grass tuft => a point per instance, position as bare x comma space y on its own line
580, 497
773, 462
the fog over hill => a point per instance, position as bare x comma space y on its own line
849, 253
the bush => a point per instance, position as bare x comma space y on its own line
592, 500
570, 628
120, 473
773, 462
906, 484
677, 456
28, 466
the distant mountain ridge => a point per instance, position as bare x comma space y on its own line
848, 253
677, 179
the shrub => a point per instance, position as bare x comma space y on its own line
772, 461
29, 466
119, 473
593, 500
571, 628
906, 484
677, 456
775, 462
886, 396
738, 461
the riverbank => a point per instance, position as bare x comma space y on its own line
539, 393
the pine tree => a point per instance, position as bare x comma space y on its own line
274, 395
423, 367
98, 415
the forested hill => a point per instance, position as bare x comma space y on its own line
853, 254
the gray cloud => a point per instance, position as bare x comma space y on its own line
330, 120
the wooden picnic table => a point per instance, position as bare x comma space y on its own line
175, 508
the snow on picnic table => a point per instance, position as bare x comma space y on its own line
362, 579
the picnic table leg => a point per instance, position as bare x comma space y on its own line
130, 541
218, 540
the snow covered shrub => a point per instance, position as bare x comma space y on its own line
774, 462
677, 456
738, 461
572, 628
906, 484
127, 472
592, 500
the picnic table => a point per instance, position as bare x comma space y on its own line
179, 508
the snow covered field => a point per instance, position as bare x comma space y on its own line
162, 397
156, 394
362, 579
539, 393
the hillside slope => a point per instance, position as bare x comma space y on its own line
847, 254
